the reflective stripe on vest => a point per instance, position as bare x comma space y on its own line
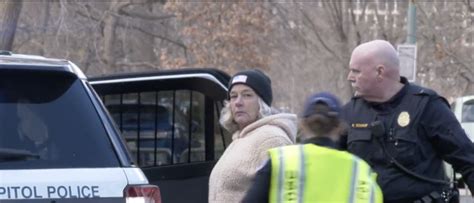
310, 173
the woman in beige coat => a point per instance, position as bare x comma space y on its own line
255, 128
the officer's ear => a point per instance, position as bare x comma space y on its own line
379, 70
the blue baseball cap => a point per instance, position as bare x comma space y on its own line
323, 97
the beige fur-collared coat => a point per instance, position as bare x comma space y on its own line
232, 176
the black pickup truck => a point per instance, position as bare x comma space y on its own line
169, 122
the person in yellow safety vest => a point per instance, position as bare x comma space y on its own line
316, 171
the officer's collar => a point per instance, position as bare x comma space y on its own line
322, 141
395, 100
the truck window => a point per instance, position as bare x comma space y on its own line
165, 127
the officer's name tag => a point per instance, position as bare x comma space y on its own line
360, 125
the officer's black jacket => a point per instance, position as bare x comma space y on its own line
419, 139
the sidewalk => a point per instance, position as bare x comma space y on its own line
466, 199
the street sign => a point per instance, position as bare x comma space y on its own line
407, 55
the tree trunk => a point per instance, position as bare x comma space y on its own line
110, 24
10, 12
45, 20
140, 50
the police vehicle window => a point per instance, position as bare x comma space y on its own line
160, 128
143, 123
189, 138
48, 121
468, 111
222, 137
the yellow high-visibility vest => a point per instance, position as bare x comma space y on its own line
311, 173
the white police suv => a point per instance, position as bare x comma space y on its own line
57, 142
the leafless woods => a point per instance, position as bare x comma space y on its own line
304, 46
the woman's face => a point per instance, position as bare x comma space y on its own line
243, 104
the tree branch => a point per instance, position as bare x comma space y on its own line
315, 31
379, 24
144, 16
470, 5
337, 17
134, 26
465, 66
283, 15
137, 64
354, 23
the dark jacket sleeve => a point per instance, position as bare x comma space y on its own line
449, 139
260, 188
342, 142
346, 122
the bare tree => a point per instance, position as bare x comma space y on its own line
44, 24
110, 24
447, 44
304, 46
226, 35
131, 30
318, 39
10, 11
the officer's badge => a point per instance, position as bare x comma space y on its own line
403, 119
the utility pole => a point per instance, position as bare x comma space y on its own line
411, 24
407, 51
